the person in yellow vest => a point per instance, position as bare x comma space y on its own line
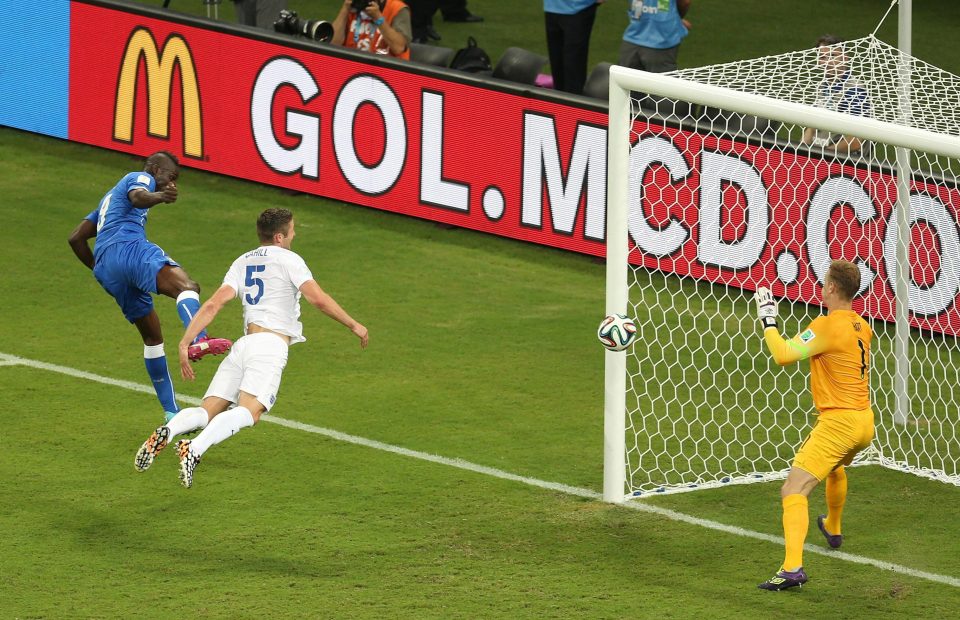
838, 347
377, 26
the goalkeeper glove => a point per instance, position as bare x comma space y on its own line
766, 307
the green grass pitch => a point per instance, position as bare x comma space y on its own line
482, 349
482, 352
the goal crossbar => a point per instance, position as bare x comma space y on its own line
623, 80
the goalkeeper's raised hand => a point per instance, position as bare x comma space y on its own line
766, 307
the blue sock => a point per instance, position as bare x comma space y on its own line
156, 363
188, 304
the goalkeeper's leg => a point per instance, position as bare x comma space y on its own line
836, 497
796, 519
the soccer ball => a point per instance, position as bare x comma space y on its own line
617, 332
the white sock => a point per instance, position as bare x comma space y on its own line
187, 420
222, 426
154, 351
188, 295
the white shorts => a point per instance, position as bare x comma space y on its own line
254, 365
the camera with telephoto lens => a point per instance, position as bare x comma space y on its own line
289, 23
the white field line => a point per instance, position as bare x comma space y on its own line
638, 505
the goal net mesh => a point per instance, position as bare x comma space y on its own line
720, 203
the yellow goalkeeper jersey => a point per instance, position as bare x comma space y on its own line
838, 346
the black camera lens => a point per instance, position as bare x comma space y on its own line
359, 5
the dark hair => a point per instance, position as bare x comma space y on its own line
846, 276
273, 221
829, 39
156, 157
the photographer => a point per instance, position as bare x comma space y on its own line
260, 13
376, 26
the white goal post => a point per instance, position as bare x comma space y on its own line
683, 408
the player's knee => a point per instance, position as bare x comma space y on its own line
838, 474
152, 341
190, 285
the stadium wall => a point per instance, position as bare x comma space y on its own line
510, 160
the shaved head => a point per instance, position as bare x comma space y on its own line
163, 157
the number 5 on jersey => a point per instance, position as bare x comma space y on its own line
251, 281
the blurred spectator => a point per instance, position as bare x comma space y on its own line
569, 24
422, 12
841, 91
382, 27
457, 11
421, 20
259, 13
652, 38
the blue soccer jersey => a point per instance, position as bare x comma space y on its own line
116, 217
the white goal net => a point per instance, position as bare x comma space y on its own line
759, 173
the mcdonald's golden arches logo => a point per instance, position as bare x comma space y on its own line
159, 69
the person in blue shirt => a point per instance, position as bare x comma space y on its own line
652, 38
569, 24
841, 91
130, 268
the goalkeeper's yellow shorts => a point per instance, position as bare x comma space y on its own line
835, 439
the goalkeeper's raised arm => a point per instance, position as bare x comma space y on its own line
802, 346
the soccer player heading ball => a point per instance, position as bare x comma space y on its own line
838, 346
269, 281
130, 268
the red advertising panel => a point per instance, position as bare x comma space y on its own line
338, 128
500, 161
749, 216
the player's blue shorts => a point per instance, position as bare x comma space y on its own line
128, 271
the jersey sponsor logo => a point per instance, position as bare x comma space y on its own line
159, 69
807, 336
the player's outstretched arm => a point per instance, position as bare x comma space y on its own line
142, 199
767, 313
326, 304
800, 347
203, 318
80, 241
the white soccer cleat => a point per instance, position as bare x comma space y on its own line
188, 462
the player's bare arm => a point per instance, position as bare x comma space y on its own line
323, 302
80, 242
142, 199
208, 311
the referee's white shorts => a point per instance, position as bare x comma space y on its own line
254, 365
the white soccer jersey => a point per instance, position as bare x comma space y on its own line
268, 281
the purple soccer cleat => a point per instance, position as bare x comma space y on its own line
785, 579
208, 346
834, 540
